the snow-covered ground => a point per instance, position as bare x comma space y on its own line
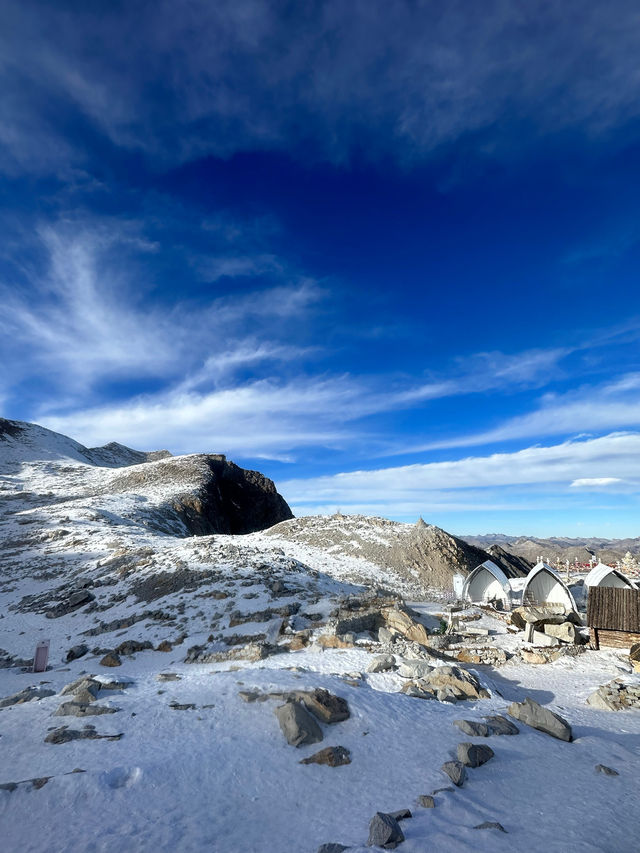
220, 776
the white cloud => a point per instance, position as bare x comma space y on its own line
595, 482
459, 482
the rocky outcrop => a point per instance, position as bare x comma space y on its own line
208, 494
616, 695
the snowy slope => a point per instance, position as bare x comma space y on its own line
220, 776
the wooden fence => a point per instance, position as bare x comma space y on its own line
613, 614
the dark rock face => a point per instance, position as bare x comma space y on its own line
231, 500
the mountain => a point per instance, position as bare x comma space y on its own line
559, 547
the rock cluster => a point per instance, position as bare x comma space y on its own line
617, 695
447, 684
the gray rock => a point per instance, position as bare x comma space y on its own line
385, 636
472, 728
426, 801
608, 771
382, 663
456, 771
499, 725
111, 659
76, 652
566, 632
297, 724
542, 719
541, 639
401, 814
474, 755
84, 683
384, 831
82, 709
29, 694
414, 669
332, 847
491, 824
65, 734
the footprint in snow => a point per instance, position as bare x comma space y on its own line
121, 777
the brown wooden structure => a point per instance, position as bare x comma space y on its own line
613, 615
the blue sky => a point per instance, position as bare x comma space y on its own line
386, 253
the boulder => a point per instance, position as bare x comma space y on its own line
327, 707
84, 684
501, 726
331, 756
401, 814
472, 728
29, 694
634, 657
451, 681
385, 635
542, 719
490, 824
565, 631
540, 615
541, 639
111, 659
474, 755
130, 647
456, 771
332, 847
426, 801
65, 734
414, 668
297, 724
76, 652
400, 621
382, 663
384, 831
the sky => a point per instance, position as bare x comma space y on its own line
385, 251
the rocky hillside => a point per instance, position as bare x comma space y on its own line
420, 553
186, 495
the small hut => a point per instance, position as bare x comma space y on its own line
488, 584
544, 586
602, 575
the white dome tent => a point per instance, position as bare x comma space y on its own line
544, 586
488, 584
602, 575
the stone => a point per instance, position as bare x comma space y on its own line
501, 726
65, 734
382, 663
616, 695
164, 646
76, 652
187, 706
608, 771
384, 831
336, 641
111, 659
398, 620
331, 847
542, 639
412, 689
426, 801
401, 814
82, 709
456, 771
327, 707
487, 655
472, 728
542, 615
130, 647
331, 756
566, 632
455, 682
542, 719
474, 755
29, 694
168, 676
491, 824
385, 636
534, 657
297, 724
414, 669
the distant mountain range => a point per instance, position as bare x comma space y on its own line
559, 547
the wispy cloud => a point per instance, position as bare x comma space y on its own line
186, 79
478, 482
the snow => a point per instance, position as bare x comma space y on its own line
221, 777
